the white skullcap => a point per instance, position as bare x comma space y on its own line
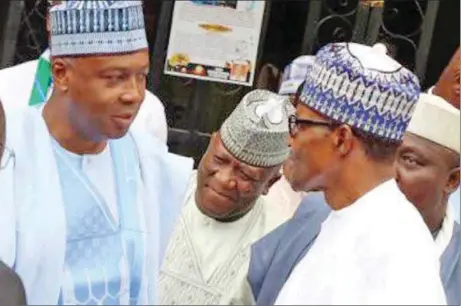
436, 120
379, 47
295, 73
102, 27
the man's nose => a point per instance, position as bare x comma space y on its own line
225, 178
134, 91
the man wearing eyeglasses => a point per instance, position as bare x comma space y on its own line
281, 194
11, 287
427, 174
374, 247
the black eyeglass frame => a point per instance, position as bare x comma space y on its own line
294, 121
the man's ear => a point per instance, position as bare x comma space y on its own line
274, 179
344, 139
60, 72
453, 181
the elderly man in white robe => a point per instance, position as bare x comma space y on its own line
225, 211
428, 173
89, 206
30, 83
374, 247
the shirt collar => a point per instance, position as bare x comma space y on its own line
446, 231
374, 196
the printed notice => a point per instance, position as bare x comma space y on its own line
215, 40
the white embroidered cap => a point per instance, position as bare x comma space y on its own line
96, 27
363, 87
295, 73
436, 120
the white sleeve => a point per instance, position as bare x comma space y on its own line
151, 117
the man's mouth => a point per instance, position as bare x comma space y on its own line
125, 116
123, 119
221, 194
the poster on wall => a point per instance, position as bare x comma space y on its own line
215, 40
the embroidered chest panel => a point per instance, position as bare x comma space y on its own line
181, 280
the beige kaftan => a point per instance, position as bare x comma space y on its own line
207, 261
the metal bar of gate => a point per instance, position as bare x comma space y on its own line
374, 24
427, 31
160, 46
262, 39
315, 9
10, 33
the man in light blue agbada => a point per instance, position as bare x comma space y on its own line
90, 203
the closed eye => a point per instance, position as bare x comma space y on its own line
247, 177
218, 159
115, 78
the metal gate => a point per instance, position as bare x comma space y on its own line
197, 108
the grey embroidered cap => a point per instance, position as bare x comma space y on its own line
96, 27
256, 132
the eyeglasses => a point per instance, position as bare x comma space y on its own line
293, 123
8, 156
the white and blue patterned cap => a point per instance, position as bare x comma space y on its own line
295, 73
256, 132
97, 27
363, 87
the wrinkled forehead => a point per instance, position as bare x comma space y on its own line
218, 148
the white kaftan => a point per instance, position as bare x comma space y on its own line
48, 242
376, 251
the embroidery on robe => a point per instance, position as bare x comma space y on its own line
101, 261
181, 278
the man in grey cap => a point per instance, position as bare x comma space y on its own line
208, 255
